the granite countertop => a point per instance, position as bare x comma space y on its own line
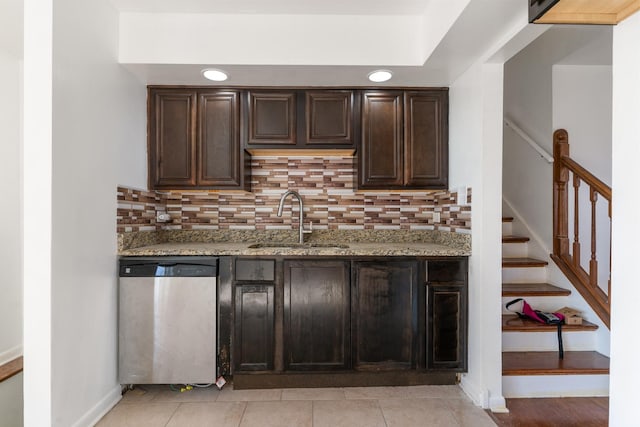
327, 243
353, 249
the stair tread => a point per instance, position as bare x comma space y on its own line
548, 363
515, 239
513, 323
532, 290
523, 262
507, 219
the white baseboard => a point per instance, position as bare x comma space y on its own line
91, 417
9, 355
478, 396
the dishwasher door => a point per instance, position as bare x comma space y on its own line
167, 320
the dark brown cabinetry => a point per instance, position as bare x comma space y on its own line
404, 140
300, 119
384, 314
254, 327
316, 315
194, 139
254, 314
447, 314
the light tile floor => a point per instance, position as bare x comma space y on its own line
424, 406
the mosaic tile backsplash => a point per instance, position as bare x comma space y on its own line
326, 185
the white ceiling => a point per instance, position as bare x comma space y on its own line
449, 51
269, 7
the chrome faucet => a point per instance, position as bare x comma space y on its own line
301, 230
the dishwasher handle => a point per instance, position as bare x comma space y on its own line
169, 267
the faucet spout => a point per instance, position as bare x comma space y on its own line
294, 194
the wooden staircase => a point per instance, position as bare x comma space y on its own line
529, 371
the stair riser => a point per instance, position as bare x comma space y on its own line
524, 275
515, 250
555, 386
507, 228
547, 341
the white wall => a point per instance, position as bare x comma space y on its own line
97, 142
475, 148
625, 376
529, 102
582, 105
11, 212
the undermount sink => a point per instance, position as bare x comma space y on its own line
297, 245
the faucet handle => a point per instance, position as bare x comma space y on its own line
310, 230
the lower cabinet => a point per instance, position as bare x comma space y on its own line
316, 315
254, 327
447, 315
384, 313
364, 314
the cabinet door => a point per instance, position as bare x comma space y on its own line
254, 327
380, 157
447, 314
426, 149
172, 154
219, 152
384, 314
447, 327
316, 315
329, 117
272, 118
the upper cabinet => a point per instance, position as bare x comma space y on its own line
194, 139
202, 137
404, 140
283, 119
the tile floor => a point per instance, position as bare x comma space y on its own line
157, 405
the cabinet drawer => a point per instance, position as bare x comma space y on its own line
454, 270
250, 270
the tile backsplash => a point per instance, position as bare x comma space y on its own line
326, 185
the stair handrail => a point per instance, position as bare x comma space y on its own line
517, 129
568, 258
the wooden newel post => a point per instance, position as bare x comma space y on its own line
560, 195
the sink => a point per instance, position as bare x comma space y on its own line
309, 245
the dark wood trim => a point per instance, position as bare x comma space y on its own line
515, 239
532, 290
11, 368
548, 363
522, 262
513, 323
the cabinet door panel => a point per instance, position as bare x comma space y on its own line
426, 148
380, 157
384, 314
219, 139
329, 117
447, 327
172, 139
272, 118
254, 327
316, 315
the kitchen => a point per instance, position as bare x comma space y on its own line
96, 149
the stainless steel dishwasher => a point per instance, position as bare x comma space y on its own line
167, 320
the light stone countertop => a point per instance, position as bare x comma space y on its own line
243, 249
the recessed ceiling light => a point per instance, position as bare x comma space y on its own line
215, 75
380, 76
